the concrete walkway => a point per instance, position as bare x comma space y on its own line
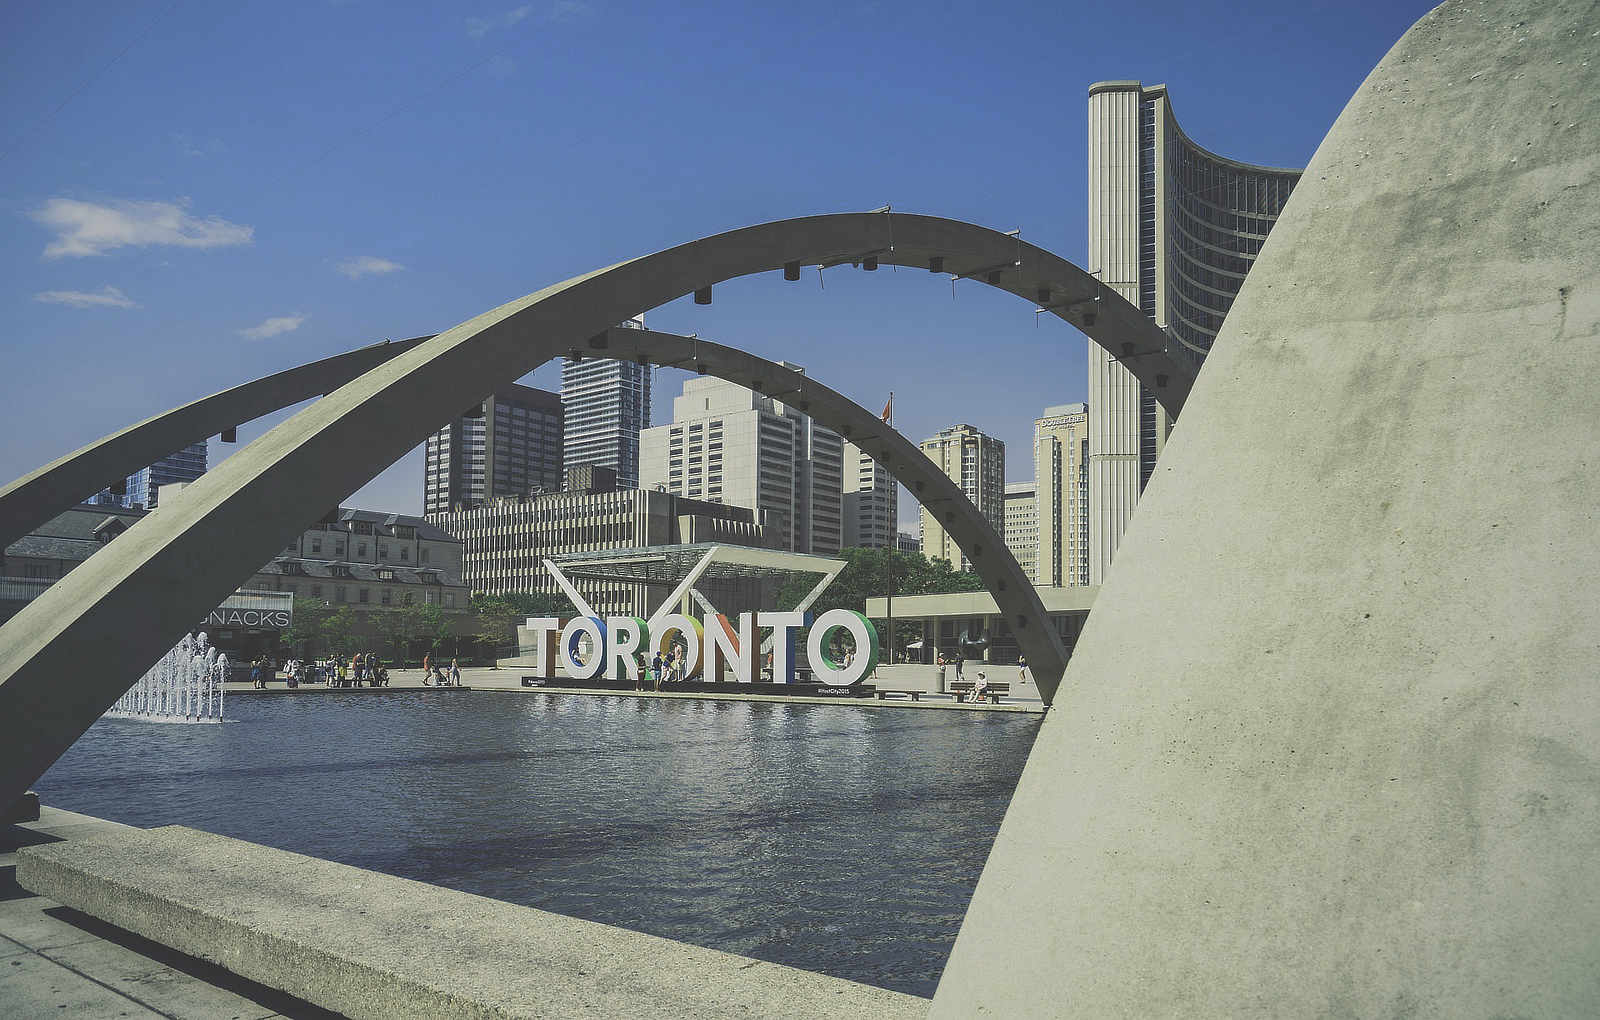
55, 961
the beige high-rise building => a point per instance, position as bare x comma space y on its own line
1022, 525
729, 444
1061, 480
1173, 229
871, 502
977, 463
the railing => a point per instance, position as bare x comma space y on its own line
23, 589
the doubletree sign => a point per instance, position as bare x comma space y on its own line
713, 647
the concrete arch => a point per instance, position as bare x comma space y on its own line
41, 494
114, 615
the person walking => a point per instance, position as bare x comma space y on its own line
427, 667
1022, 669
455, 672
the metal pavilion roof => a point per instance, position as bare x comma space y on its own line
670, 564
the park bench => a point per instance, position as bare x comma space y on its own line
883, 695
962, 688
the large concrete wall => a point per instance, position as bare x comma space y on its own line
1330, 742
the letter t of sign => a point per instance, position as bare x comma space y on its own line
546, 631
783, 627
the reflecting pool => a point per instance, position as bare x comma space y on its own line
834, 839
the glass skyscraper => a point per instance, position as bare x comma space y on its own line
1174, 229
142, 488
510, 445
607, 405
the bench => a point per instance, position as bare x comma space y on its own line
883, 695
962, 688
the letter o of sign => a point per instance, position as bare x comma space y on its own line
672, 626
860, 628
576, 629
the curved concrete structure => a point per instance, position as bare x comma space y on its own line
108, 619
1003, 577
39, 495
1329, 744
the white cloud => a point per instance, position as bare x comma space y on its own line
109, 297
367, 265
559, 10
274, 326
87, 228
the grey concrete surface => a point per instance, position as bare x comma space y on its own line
371, 945
1359, 772
112, 617
39, 495
55, 961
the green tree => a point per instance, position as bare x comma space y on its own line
435, 625
337, 629
497, 616
874, 573
305, 631
399, 625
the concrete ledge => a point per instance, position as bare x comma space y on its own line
372, 945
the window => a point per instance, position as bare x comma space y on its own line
424, 554
316, 591
362, 595
385, 597
449, 600
405, 554
316, 545
361, 549
338, 548
383, 552
338, 593
37, 570
407, 597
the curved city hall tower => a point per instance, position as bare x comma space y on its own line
1174, 229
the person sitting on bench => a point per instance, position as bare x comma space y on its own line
981, 691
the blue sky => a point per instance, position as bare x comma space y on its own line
194, 194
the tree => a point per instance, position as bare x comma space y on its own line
498, 616
435, 625
305, 630
398, 626
874, 573
337, 629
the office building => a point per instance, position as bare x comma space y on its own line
871, 503
728, 444
141, 490
1022, 525
506, 541
907, 542
607, 405
1061, 480
977, 463
509, 445
1173, 228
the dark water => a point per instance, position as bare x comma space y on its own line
845, 841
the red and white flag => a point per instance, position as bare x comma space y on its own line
888, 410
